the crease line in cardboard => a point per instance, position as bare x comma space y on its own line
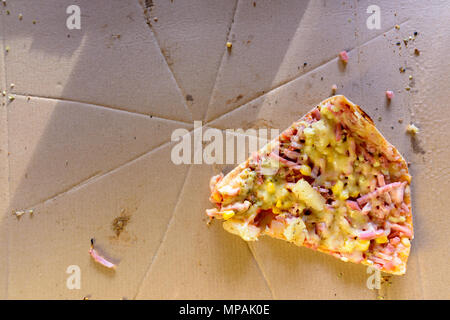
263, 274
163, 238
98, 175
287, 82
71, 188
147, 18
109, 108
219, 67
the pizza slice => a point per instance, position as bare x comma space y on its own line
330, 182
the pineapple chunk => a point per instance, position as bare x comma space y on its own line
308, 195
294, 231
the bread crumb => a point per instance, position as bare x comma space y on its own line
412, 129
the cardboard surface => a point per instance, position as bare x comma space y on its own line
87, 139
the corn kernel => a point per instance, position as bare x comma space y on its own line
216, 197
227, 214
270, 187
382, 239
343, 195
337, 188
406, 242
305, 170
362, 245
276, 210
348, 246
279, 205
354, 194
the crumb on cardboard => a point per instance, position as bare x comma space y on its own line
343, 56
119, 224
389, 94
334, 88
412, 129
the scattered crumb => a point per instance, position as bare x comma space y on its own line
4, 93
401, 69
20, 16
407, 88
155, 19
229, 45
7, 49
389, 94
416, 52
12, 85
119, 224
19, 213
412, 129
343, 56
397, 27
410, 77
11, 98
34, 21
334, 88
380, 298
400, 121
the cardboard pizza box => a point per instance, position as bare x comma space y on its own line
94, 93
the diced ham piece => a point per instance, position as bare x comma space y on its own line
229, 191
315, 171
316, 114
214, 180
367, 208
338, 131
353, 205
288, 133
343, 55
395, 241
402, 229
291, 154
213, 213
238, 206
404, 208
367, 156
284, 161
389, 94
370, 234
276, 227
352, 147
364, 199
321, 227
380, 179
398, 193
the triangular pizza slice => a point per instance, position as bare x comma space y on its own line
330, 182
